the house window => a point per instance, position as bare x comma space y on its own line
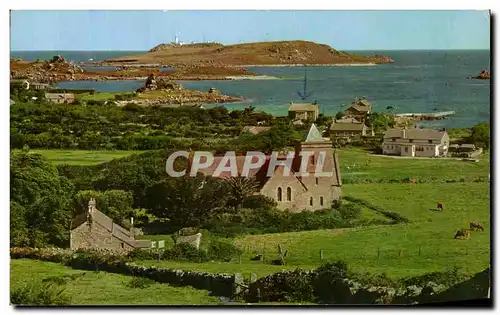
430, 141
289, 194
279, 193
406, 149
317, 181
393, 140
312, 160
311, 201
123, 245
411, 140
321, 201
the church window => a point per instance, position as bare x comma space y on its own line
321, 200
317, 181
289, 194
311, 201
279, 193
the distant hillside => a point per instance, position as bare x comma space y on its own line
262, 53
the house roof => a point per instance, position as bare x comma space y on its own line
303, 107
255, 129
114, 229
360, 108
347, 127
59, 95
350, 120
415, 134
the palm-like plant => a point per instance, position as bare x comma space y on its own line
239, 189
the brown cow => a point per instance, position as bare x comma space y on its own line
462, 233
440, 205
476, 226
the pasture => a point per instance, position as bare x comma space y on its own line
101, 288
82, 157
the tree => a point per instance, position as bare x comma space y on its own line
339, 115
40, 202
240, 189
481, 135
117, 204
186, 201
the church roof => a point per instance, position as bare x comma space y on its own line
314, 135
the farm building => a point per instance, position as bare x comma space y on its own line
94, 229
60, 98
416, 142
303, 111
359, 109
349, 127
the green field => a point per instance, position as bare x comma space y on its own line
101, 288
426, 244
82, 157
358, 164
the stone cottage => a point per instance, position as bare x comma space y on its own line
349, 127
359, 109
93, 229
319, 190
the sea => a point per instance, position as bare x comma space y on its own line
418, 81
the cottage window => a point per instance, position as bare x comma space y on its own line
393, 140
312, 160
311, 201
411, 140
289, 194
321, 200
430, 141
279, 193
406, 149
123, 245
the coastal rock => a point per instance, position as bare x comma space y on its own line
483, 75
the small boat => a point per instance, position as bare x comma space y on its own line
91, 59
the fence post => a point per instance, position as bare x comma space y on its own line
378, 253
321, 254
466, 249
419, 250
399, 254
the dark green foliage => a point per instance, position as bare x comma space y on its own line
40, 202
286, 286
35, 293
391, 215
140, 283
350, 211
117, 204
222, 250
339, 115
186, 252
481, 135
448, 278
380, 122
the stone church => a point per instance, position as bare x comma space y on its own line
295, 192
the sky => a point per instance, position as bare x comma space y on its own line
344, 30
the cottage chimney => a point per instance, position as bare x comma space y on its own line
132, 226
92, 205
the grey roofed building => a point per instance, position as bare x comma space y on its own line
414, 134
347, 127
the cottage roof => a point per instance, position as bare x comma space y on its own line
350, 120
255, 129
415, 134
59, 95
314, 135
347, 126
303, 107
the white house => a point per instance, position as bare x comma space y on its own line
416, 142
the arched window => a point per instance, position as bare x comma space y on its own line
321, 200
311, 201
317, 181
279, 193
289, 194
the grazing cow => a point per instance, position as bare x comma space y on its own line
463, 234
412, 181
476, 226
440, 205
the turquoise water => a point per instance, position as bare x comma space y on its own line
418, 81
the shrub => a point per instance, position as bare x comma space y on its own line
222, 250
350, 212
187, 252
36, 293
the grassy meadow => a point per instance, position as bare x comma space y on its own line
101, 288
82, 157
